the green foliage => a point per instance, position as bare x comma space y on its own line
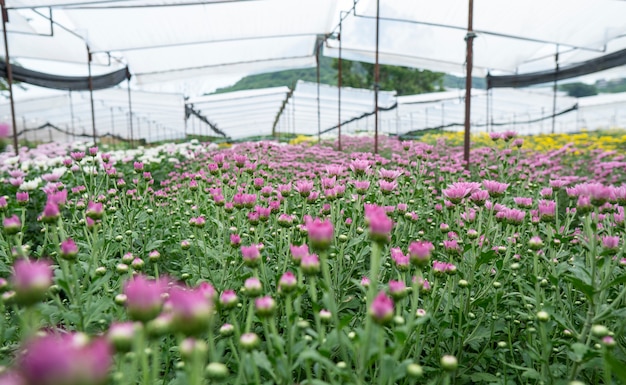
406, 81
579, 90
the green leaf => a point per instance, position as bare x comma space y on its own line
582, 286
578, 351
616, 281
483, 377
261, 361
486, 257
531, 373
617, 367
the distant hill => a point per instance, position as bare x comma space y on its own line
288, 78
328, 75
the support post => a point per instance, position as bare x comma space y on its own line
319, 119
376, 78
339, 84
7, 58
93, 113
556, 75
469, 39
130, 110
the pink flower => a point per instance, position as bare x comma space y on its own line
361, 186
320, 233
228, 299
22, 197
452, 246
359, 166
389, 175
94, 210
144, 298
495, 188
523, 202
459, 190
380, 225
251, 255
610, 242
381, 309
547, 210
69, 250
77, 156
253, 286
287, 282
310, 264
387, 187
400, 259
265, 306
50, 213
397, 289
297, 252
420, 252
12, 224
235, 240
31, 280
190, 310
304, 187
65, 359
5, 130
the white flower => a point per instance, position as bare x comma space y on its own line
12, 160
30, 185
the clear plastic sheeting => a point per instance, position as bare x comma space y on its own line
175, 43
65, 116
300, 115
525, 111
510, 35
239, 114
54, 44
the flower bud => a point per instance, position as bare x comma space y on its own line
216, 371
449, 363
415, 370
249, 341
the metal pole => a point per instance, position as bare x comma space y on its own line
556, 74
339, 83
7, 58
376, 78
469, 38
130, 109
93, 114
293, 112
319, 121
72, 117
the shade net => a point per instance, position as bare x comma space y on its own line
70, 83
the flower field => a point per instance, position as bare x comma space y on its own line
299, 264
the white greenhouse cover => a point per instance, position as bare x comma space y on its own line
512, 36
194, 47
241, 114
300, 115
156, 116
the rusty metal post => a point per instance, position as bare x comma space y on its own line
339, 83
319, 120
469, 39
130, 110
376, 78
556, 75
5, 20
93, 114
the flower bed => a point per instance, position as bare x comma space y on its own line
266, 263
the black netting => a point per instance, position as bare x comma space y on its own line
602, 63
72, 83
